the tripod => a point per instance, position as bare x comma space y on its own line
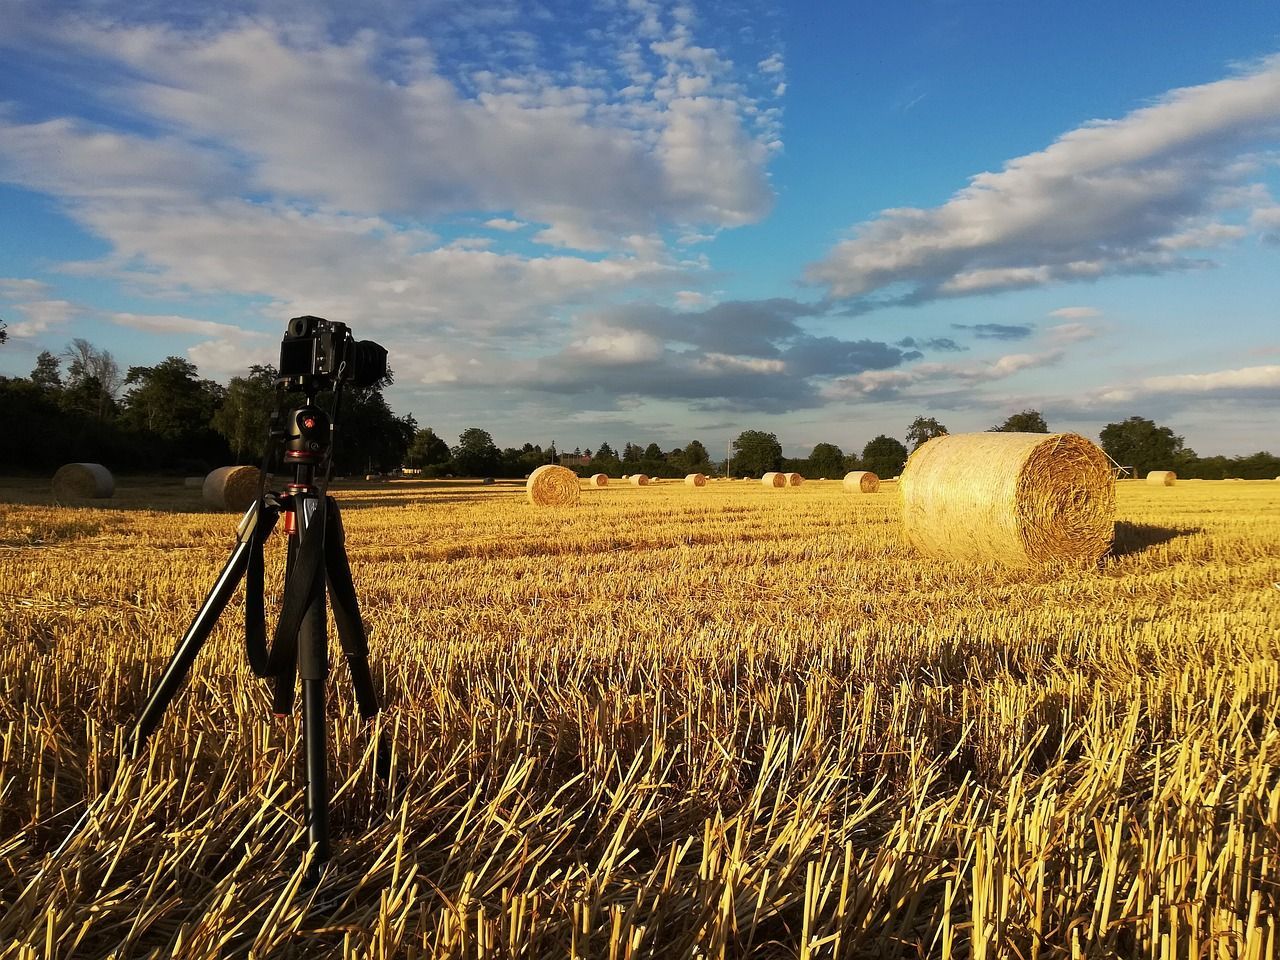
316, 564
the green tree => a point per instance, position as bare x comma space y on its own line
426, 450
245, 413
1139, 443
755, 453
93, 380
169, 400
4, 334
1027, 421
884, 456
653, 452
605, 452
631, 453
826, 460
476, 455
47, 374
923, 429
696, 455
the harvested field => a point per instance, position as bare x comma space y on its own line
670, 721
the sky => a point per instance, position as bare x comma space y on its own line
641, 221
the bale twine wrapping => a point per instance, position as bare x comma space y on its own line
774, 479
599, 480
639, 479
1018, 498
83, 481
1162, 478
794, 479
695, 480
232, 488
193, 483
552, 485
861, 481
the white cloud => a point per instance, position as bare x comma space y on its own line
504, 224
1257, 383
1071, 332
1076, 313
39, 316
1109, 197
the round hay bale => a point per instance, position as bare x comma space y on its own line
639, 479
1018, 498
487, 480
861, 481
1162, 478
774, 479
193, 483
83, 481
695, 480
552, 485
794, 479
599, 480
232, 488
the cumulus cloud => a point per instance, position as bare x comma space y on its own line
1258, 384
1112, 197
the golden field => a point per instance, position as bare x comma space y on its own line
671, 722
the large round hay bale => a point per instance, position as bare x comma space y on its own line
193, 483
599, 480
83, 481
861, 481
639, 479
1013, 497
794, 479
1162, 478
232, 488
695, 480
774, 479
552, 485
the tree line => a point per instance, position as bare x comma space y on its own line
167, 419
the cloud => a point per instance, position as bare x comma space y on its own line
1255, 384
945, 344
501, 223
1111, 197
937, 379
996, 331
1076, 313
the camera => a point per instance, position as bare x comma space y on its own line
317, 353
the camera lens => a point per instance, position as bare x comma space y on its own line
367, 362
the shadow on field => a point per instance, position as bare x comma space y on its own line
1131, 538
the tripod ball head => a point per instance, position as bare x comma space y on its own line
306, 434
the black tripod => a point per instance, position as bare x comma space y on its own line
315, 565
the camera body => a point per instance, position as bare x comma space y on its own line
316, 353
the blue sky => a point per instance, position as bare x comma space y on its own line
644, 221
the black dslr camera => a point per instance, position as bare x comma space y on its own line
317, 353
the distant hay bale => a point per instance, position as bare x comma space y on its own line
487, 480
861, 481
774, 479
1018, 498
83, 481
695, 480
552, 485
232, 488
1162, 478
193, 483
639, 479
794, 479
599, 480
626, 476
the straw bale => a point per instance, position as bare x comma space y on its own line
1018, 498
794, 479
639, 479
599, 480
487, 480
1162, 478
774, 479
861, 481
552, 485
83, 481
695, 480
232, 488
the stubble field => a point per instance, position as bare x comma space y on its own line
667, 723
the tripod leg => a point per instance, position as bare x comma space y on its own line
313, 668
188, 647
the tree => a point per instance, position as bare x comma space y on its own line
826, 460
1028, 421
93, 379
695, 454
1137, 442
653, 452
923, 429
47, 374
170, 400
4, 334
630, 453
884, 456
426, 450
756, 453
605, 452
245, 413
476, 455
